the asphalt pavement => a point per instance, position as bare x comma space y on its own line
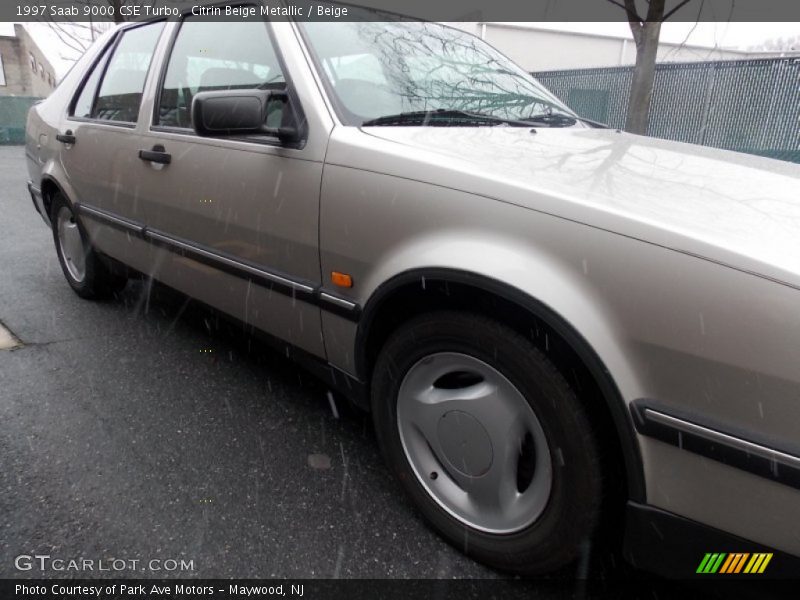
144, 428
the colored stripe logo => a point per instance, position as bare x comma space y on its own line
734, 562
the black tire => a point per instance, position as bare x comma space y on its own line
571, 515
102, 277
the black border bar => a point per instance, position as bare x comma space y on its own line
540, 588
688, 11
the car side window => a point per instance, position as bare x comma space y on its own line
123, 82
212, 56
85, 101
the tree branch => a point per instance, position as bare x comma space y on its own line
629, 7
67, 39
674, 10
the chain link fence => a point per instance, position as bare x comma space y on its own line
749, 106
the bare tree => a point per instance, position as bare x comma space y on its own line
470, 79
646, 32
780, 44
77, 36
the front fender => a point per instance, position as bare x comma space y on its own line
413, 227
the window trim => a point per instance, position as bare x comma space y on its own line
101, 55
260, 140
108, 50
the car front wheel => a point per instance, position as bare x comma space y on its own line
489, 440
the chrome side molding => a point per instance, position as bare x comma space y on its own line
305, 291
759, 457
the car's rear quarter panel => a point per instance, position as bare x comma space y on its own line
47, 119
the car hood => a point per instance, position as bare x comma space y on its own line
736, 209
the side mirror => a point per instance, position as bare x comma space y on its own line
238, 112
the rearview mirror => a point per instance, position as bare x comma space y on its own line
238, 112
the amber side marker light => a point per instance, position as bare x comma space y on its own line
341, 279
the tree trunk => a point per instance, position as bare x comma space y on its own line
646, 38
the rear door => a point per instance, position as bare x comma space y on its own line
99, 143
235, 220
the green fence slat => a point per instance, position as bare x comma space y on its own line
13, 114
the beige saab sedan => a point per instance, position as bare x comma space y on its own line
568, 336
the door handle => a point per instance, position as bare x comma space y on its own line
157, 155
66, 138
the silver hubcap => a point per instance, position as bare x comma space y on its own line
474, 442
71, 245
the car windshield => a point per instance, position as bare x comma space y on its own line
408, 68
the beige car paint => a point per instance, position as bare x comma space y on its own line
679, 265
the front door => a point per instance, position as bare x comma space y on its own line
234, 221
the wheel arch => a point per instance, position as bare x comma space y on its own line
423, 289
51, 187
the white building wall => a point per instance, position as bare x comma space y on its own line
546, 50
